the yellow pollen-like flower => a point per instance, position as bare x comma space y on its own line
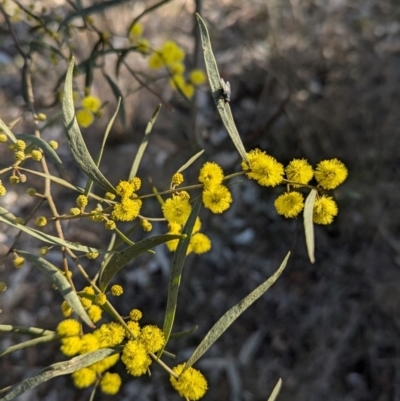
136, 30
18, 262
177, 69
53, 144
3, 138
110, 383
83, 378
100, 299
325, 209
330, 173
36, 155
177, 81
217, 198
86, 303
134, 329
289, 204
191, 384
110, 225
127, 210
91, 103
74, 211
146, 225
143, 46
70, 345
20, 145
117, 290
135, 358
105, 364
152, 338
85, 118
136, 182
197, 77
81, 201
176, 209
66, 310
155, 61
44, 250
92, 255
3, 189
95, 313
19, 155
69, 327
211, 174
135, 314
89, 343
263, 168
124, 189
110, 334
200, 243
300, 171
177, 179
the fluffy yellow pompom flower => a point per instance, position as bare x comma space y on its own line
89, 343
135, 314
83, 378
18, 262
152, 338
172, 53
135, 358
300, 171
197, 77
177, 81
146, 225
127, 210
91, 103
66, 310
105, 364
71, 345
177, 69
81, 201
176, 209
136, 182
134, 329
95, 313
191, 384
135, 31
36, 155
110, 383
263, 168
124, 188
155, 61
217, 198
117, 290
330, 173
100, 299
69, 327
110, 334
211, 174
325, 209
3, 189
200, 243
85, 118
177, 179
289, 204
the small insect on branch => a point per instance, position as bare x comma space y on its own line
225, 91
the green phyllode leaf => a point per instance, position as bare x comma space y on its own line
7, 218
7, 131
309, 224
232, 314
276, 391
59, 369
61, 283
215, 83
176, 271
75, 139
143, 145
121, 259
190, 161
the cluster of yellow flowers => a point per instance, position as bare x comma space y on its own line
171, 56
267, 171
90, 108
138, 347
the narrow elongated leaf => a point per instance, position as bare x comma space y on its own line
47, 149
215, 83
276, 391
118, 95
50, 239
75, 139
176, 271
7, 131
29, 343
143, 145
232, 314
121, 259
32, 331
184, 333
309, 225
190, 161
61, 283
59, 369
103, 144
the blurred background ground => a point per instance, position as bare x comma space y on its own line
315, 79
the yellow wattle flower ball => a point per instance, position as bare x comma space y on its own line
211, 174
325, 209
85, 118
110, 334
110, 383
152, 338
330, 173
18, 262
135, 31
155, 61
84, 377
3, 189
217, 198
177, 179
127, 210
117, 290
91, 103
125, 189
37, 155
191, 384
197, 77
289, 204
95, 313
263, 168
176, 210
100, 299
69, 327
135, 358
200, 243
135, 314
300, 171
41, 221
81, 201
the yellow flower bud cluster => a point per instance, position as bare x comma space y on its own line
90, 108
